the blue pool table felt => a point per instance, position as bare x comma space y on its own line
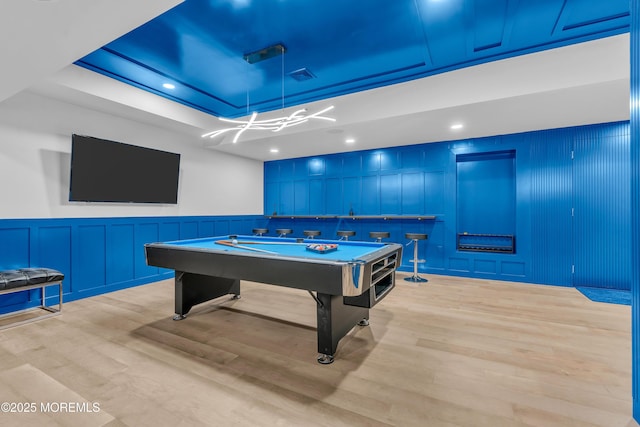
346, 251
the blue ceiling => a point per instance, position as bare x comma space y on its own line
346, 45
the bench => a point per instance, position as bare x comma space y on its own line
25, 279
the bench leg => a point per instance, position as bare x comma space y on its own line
52, 311
49, 308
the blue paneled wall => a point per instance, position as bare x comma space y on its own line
564, 194
486, 193
99, 255
635, 203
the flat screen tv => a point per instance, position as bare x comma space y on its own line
109, 171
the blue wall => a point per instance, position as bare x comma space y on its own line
567, 202
635, 202
99, 255
486, 189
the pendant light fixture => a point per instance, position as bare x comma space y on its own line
274, 125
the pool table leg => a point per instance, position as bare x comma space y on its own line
192, 289
335, 320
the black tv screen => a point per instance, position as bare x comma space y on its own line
109, 171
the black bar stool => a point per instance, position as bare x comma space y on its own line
311, 233
345, 234
414, 239
260, 231
379, 235
282, 232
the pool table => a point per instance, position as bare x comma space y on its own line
345, 281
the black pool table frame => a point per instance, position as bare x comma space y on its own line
202, 275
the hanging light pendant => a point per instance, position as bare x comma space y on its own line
274, 125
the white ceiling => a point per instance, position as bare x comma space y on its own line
39, 37
574, 85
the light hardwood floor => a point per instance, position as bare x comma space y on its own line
450, 352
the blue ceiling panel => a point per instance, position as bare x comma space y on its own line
600, 15
345, 46
490, 20
446, 25
532, 25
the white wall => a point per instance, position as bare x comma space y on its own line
35, 155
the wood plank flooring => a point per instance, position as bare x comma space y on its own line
450, 352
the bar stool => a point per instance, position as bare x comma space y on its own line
345, 234
260, 231
311, 233
282, 232
379, 235
414, 239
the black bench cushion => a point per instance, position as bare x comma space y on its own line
10, 279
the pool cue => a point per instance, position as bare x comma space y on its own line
228, 243
250, 242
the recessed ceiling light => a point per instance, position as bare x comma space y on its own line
456, 126
349, 140
274, 150
169, 86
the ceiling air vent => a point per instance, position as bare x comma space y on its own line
302, 74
